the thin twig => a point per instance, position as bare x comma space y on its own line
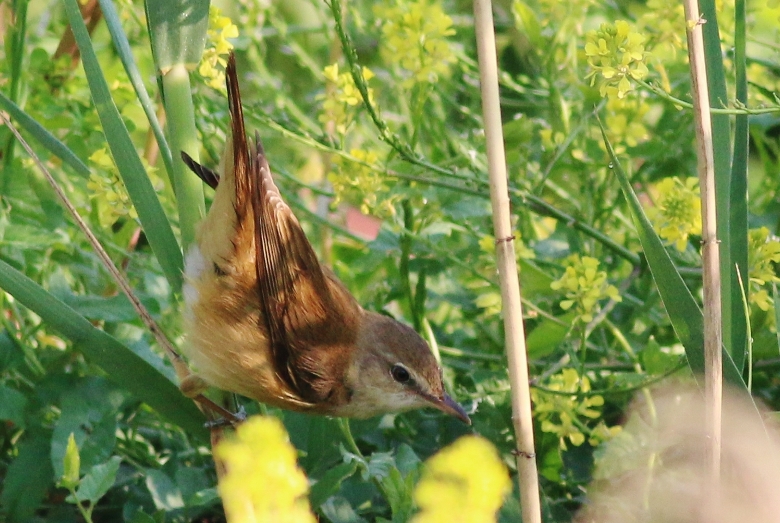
514, 331
182, 371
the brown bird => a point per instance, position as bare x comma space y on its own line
267, 321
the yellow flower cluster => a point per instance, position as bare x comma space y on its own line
763, 253
563, 414
414, 36
584, 285
665, 22
624, 122
360, 185
616, 54
488, 298
107, 191
212, 65
342, 97
263, 483
677, 211
465, 482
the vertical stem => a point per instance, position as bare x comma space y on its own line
183, 137
528, 478
713, 364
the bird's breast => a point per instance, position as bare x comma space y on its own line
226, 344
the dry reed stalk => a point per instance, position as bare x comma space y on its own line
713, 358
528, 478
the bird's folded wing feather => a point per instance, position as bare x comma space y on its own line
308, 313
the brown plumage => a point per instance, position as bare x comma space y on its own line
267, 321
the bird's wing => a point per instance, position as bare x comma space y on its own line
311, 318
308, 313
208, 176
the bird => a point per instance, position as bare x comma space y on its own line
264, 319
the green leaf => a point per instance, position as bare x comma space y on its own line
139, 187
338, 510
122, 46
684, 312
655, 361
165, 492
12, 405
27, 479
98, 480
330, 483
546, 337
87, 411
730, 193
398, 492
121, 364
44, 137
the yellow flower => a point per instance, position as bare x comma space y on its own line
616, 54
567, 416
360, 184
763, 253
263, 484
585, 286
624, 122
677, 212
213, 62
414, 36
465, 482
342, 97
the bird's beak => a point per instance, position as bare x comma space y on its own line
451, 407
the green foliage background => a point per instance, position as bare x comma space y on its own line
417, 165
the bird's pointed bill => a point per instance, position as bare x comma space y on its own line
451, 407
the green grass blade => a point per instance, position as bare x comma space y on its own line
733, 326
44, 137
738, 210
122, 47
119, 362
155, 224
684, 312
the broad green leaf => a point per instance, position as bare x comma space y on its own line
12, 405
330, 483
88, 411
546, 337
165, 492
27, 479
150, 212
120, 363
98, 480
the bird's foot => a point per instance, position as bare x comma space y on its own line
233, 419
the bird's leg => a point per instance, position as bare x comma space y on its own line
193, 387
225, 416
232, 418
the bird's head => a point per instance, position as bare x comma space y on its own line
393, 370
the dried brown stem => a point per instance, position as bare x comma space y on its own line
507, 267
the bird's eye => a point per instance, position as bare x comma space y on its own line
400, 374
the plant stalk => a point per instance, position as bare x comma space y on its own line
713, 358
528, 478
